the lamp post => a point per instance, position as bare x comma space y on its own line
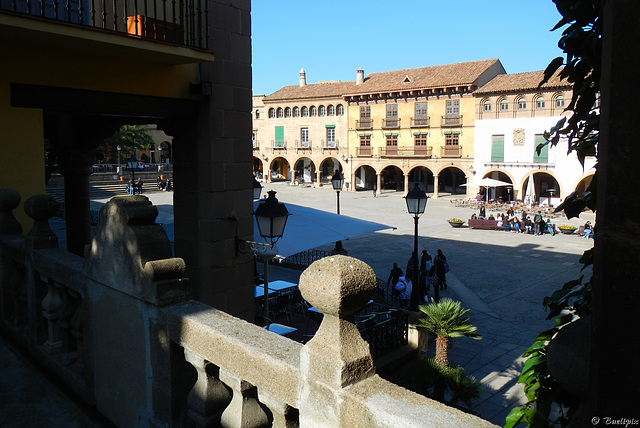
416, 201
271, 217
337, 181
257, 189
132, 162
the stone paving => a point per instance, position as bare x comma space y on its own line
502, 277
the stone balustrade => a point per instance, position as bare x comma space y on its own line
120, 327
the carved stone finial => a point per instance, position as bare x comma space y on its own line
337, 356
9, 201
41, 208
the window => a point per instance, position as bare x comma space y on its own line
497, 148
451, 139
453, 107
279, 136
421, 110
304, 137
340, 110
312, 111
331, 136
305, 111
365, 112
392, 144
560, 102
321, 111
365, 140
287, 112
522, 104
296, 112
257, 114
272, 113
331, 111
420, 139
543, 157
280, 112
487, 105
540, 103
392, 110
504, 105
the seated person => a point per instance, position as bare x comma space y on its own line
550, 228
474, 217
588, 230
516, 225
491, 217
528, 225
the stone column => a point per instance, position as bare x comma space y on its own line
318, 175
337, 356
435, 186
378, 183
406, 184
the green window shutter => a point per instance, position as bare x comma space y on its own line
329, 126
279, 136
543, 157
497, 148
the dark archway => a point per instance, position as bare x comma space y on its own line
422, 175
450, 180
365, 178
280, 169
502, 193
392, 178
305, 170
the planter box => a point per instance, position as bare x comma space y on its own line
456, 223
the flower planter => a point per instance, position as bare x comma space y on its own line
567, 231
456, 223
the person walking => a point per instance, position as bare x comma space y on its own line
439, 262
394, 275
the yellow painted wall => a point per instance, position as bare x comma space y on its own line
21, 130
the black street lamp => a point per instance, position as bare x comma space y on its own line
416, 201
337, 181
132, 162
257, 189
271, 217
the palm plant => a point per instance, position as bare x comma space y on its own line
447, 319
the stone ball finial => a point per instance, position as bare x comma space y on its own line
40, 207
9, 199
338, 285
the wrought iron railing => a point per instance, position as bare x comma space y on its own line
391, 122
453, 120
405, 151
364, 124
303, 259
179, 22
385, 328
420, 122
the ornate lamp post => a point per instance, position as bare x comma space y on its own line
337, 181
416, 201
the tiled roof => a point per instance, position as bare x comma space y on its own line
459, 74
528, 81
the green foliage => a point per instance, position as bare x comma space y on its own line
131, 138
581, 42
447, 318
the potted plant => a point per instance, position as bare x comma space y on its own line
567, 229
455, 222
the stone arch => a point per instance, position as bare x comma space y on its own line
327, 167
279, 169
544, 182
365, 177
450, 180
583, 182
501, 193
258, 167
305, 170
423, 175
391, 178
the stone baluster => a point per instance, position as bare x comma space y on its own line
337, 356
51, 308
70, 306
75, 327
9, 201
244, 411
283, 415
41, 208
209, 396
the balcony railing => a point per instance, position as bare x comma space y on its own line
107, 321
278, 144
329, 145
451, 151
451, 120
420, 122
405, 151
179, 22
391, 122
364, 123
364, 151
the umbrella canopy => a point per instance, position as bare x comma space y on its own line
530, 195
488, 182
310, 228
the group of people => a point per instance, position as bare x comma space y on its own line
525, 224
430, 272
164, 184
133, 188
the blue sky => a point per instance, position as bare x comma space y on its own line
331, 39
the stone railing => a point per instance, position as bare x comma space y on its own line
120, 327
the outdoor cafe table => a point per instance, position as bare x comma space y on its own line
274, 287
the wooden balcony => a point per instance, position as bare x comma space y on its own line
454, 151
451, 120
364, 124
391, 123
364, 151
421, 122
417, 151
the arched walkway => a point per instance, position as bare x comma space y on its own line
305, 171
